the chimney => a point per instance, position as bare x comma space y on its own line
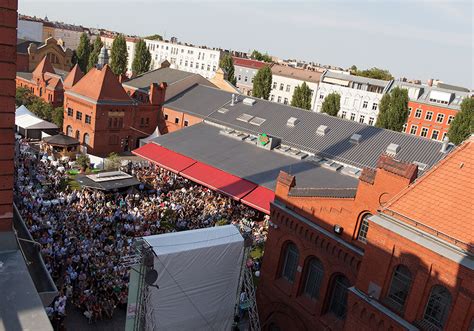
430, 82
232, 100
445, 146
157, 94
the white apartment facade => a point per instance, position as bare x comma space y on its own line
190, 58
285, 79
360, 96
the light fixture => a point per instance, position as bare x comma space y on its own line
338, 229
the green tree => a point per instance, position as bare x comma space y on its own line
331, 104
142, 60
262, 83
227, 64
302, 97
462, 125
94, 55
57, 116
41, 109
375, 73
83, 161
119, 55
112, 162
83, 51
256, 55
154, 37
393, 110
24, 97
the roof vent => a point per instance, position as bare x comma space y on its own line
232, 100
356, 138
421, 166
292, 121
257, 121
249, 101
322, 130
244, 118
392, 149
445, 146
223, 110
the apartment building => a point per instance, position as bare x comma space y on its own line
244, 71
432, 108
285, 79
360, 96
131, 42
186, 57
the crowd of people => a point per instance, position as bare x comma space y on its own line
84, 234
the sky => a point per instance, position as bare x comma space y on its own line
413, 39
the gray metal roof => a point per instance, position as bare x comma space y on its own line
204, 143
336, 145
160, 75
110, 185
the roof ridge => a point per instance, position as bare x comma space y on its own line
426, 175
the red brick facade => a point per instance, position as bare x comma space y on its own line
362, 260
173, 120
429, 121
8, 24
100, 113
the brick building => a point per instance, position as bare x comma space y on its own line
330, 264
30, 54
104, 117
432, 108
44, 82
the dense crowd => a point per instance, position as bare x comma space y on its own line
84, 233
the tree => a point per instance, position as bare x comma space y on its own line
256, 55
24, 97
119, 55
83, 51
462, 125
227, 64
302, 97
154, 37
57, 116
331, 104
262, 83
74, 58
94, 55
112, 162
142, 60
393, 110
41, 109
83, 161
375, 73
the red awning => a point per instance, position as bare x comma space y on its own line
218, 180
164, 157
260, 199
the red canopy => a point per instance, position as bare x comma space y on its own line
260, 199
164, 157
218, 180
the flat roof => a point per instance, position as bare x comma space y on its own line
207, 103
107, 185
204, 143
20, 306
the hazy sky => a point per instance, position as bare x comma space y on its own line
414, 39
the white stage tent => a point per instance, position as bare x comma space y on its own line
31, 126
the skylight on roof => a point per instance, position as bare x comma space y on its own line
257, 121
244, 118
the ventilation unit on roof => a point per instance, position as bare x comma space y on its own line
257, 121
322, 130
249, 101
292, 121
392, 149
223, 110
244, 118
421, 166
356, 138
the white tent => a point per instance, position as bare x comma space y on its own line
145, 140
31, 126
198, 279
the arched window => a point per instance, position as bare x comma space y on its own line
78, 134
69, 131
290, 263
437, 307
338, 299
399, 287
314, 277
363, 228
86, 139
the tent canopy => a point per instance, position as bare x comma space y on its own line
27, 120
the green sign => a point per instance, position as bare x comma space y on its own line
263, 139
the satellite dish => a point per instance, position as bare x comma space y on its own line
150, 277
